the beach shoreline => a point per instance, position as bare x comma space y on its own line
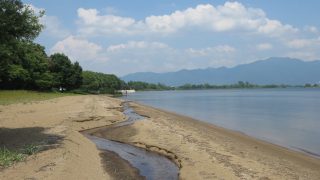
239, 155
294, 149
202, 150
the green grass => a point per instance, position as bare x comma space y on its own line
8, 157
31, 149
23, 96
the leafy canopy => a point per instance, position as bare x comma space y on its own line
18, 21
65, 73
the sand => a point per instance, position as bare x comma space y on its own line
205, 151
57, 123
201, 150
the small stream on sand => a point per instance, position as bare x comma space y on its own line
150, 165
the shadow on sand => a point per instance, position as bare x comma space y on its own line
18, 138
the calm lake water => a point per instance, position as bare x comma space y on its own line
288, 117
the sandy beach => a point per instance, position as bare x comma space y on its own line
201, 150
56, 123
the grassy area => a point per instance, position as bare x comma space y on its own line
22, 96
8, 157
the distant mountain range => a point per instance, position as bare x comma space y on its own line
270, 71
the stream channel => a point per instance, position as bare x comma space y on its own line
150, 165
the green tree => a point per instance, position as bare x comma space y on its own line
76, 77
27, 66
65, 73
17, 76
100, 83
18, 21
34, 59
308, 85
19, 24
138, 85
45, 81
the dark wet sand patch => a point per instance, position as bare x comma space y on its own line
119, 168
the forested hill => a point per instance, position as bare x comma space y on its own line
270, 71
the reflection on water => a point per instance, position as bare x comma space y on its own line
289, 117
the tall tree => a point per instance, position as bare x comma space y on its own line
100, 82
35, 60
18, 24
76, 77
18, 21
65, 73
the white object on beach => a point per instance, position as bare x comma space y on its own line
127, 91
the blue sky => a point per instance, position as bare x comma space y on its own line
123, 37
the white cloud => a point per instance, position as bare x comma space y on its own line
136, 45
221, 49
306, 49
111, 10
303, 43
160, 57
264, 46
298, 43
142, 55
166, 59
224, 48
227, 17
275, 27
52, 25
78, 49
92, 23
312, 29
305, 55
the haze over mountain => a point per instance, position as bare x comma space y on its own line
274, 70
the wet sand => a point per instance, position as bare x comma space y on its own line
118, 168
201, 150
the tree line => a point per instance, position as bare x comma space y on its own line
143, 86
239, 85
24, 64
139, 86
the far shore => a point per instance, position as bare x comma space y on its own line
201, 150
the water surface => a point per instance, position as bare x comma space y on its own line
150, 165
288, 117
